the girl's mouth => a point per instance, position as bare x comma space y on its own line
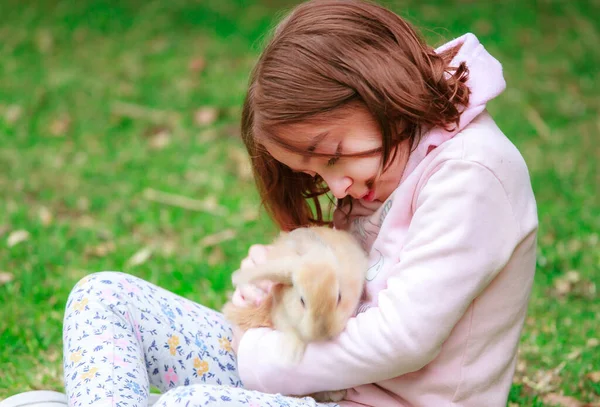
370, 196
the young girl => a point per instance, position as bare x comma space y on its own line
347, 99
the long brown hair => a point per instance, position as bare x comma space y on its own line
330, 54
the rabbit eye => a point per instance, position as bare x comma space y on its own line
302, 302
339, 298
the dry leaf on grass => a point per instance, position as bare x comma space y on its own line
234, 112
562, 286
85, 221
125, 89
592, 342
44, 41
12, 113
242, 163
555, 399
83, 203
574, 354
166, 247
594, 376
573, 276
573, 283
6, 277
16, 237
546, 381
197, 177
60, 126
216, 256
45, 216
140, 257
158, 137
220, 237
206, 116
134, 111
209, 204
101, 250
207, 136
250, 213
233, 131
538, 123
197, 65
158, 45
247, 213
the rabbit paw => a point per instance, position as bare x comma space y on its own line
326, 396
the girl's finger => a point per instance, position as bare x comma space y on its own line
252, 294
265, 286
258, 253
247, 263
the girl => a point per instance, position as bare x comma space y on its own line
348, 100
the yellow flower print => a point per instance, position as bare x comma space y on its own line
197, 362
83, 281
173, 341
75, 356
225, 344
173, 344
201, 366
80, 305
90, 373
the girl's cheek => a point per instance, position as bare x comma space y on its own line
365, 168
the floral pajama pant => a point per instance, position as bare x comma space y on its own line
123, 334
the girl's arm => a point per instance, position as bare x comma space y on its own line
462, 234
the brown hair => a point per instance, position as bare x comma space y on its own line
329, 54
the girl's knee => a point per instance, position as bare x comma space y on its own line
91, 280
92, 286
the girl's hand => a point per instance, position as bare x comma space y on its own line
257, 254
252, 294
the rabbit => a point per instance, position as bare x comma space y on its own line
318, 275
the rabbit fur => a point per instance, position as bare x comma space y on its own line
318, 275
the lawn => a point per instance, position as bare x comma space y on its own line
120, 150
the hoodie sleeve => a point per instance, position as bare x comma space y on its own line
462, 234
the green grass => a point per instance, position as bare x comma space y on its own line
77, 161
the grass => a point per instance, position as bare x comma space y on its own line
105, 106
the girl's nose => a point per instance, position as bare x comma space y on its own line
339, 186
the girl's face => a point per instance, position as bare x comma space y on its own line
354, 132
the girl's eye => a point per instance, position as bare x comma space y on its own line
302, 302
332, 161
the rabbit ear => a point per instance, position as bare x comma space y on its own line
277, 271
304, 239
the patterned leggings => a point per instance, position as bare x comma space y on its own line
123, 334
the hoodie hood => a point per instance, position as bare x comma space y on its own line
485, 81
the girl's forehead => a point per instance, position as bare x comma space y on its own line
284, 155
355, 124
350, 130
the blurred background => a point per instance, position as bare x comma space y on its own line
120, 150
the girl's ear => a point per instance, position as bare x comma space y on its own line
277, 271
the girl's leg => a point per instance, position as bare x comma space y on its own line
202, 395
122, 334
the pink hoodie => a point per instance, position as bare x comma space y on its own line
452, 259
